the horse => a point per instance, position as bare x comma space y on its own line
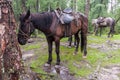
102, 22
50, 25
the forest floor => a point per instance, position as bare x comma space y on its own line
102, 62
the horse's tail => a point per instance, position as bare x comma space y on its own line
84, 31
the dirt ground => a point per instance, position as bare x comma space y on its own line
111, 72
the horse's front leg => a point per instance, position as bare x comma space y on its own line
100, 31
57, 45
96, 30
50, 41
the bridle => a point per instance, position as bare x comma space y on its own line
25, 34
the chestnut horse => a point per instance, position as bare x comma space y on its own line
50, 25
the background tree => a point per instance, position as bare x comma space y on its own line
95, 8
10, 54
87, 7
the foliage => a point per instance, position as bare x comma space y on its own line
97, 8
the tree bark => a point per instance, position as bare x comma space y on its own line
23, 5
75, 5
37, 5
10, 54
87, 7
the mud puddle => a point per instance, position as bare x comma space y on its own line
61, 72
107, 46
106, 73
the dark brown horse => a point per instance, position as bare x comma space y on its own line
51, 26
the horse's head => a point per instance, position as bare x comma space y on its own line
26, 28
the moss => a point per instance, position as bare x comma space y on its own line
97, 39
75, 63
31, 46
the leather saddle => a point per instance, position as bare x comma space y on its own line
65, 16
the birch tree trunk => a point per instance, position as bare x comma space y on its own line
23, 5
75, 5
10, 54
87, 7
37, 5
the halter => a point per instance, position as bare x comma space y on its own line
23, 33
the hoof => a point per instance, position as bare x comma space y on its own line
84, 57
57, 66
47, 65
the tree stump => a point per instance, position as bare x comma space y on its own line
10, 54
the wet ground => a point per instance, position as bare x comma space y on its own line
111, 72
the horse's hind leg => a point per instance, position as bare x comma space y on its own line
75, 41
70, 41
77, 45
112, 31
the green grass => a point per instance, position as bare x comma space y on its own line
97, 39
30, 47
116, 37
75, 63
113, 57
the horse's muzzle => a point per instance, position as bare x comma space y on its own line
22, 41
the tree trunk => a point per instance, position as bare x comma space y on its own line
37, 5
75, 5
87, 7
23, 5
10, 54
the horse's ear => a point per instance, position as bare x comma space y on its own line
27, 15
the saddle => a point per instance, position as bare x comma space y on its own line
68, 10
102, 22
65, 16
